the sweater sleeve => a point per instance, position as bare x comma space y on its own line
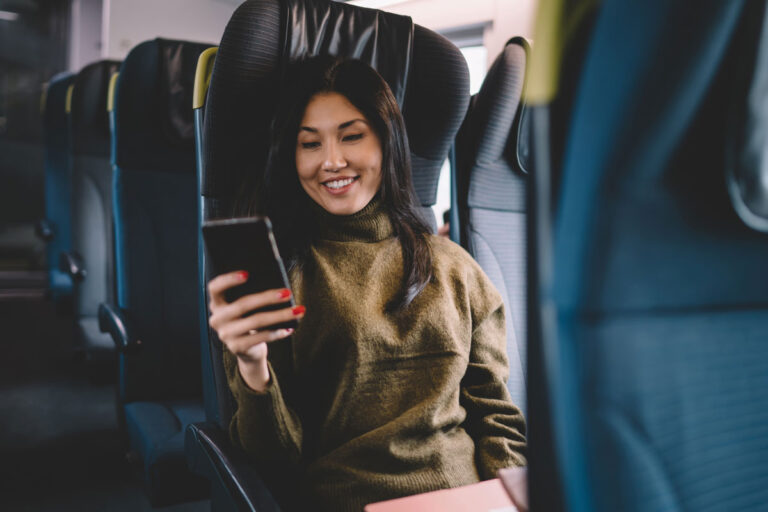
495, 423
263, 424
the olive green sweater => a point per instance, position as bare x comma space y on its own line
366, 405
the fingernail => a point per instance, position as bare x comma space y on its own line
242, 275
289, 330
298, 310
285, 293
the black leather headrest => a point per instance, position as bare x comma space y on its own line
427, 74
488, 150
89, 121
54, 113
154, 128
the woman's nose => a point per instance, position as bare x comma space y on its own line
333, 158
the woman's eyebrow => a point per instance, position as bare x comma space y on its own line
341, 126
351, 122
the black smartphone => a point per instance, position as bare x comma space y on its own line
247, 243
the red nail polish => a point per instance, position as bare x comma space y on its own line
242, 275
285, 293
298, 310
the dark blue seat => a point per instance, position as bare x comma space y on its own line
90, 261
154, 322
658, 299
56, 228
491, 195
430, 80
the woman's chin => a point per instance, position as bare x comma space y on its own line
346, 206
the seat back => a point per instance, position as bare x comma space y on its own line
91, 185
58, 179
659, 285
155, 205
491, 182
427, 74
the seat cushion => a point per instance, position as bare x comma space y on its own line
156, 433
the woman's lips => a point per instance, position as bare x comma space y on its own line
340, 185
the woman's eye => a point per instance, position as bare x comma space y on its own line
310, 145
352, 138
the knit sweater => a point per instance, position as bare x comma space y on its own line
365, 404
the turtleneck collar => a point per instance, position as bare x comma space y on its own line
371, 224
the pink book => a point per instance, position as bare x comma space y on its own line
488, 496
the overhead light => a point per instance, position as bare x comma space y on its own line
375, 4
9, 16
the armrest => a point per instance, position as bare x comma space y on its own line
210, 454
71, 263
112, 320
44, 230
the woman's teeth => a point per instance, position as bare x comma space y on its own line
338, 183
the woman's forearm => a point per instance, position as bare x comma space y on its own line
255, 374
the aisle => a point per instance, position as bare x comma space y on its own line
58, 434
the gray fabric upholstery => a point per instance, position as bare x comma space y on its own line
492, 197
92, 234
92, 230
499, 246
92, 192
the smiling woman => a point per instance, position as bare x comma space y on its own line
393, 383
338, 155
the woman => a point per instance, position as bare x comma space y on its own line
394, 382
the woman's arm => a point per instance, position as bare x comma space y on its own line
493, 421
263, 425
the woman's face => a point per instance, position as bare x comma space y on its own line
338, 155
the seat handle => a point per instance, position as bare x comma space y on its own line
212, 455
72, 263
112, 320
44, 230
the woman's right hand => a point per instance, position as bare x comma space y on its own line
247, 337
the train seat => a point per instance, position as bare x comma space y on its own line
659, 286
428, 77
56, 228
154, 322
90, 263
491, 195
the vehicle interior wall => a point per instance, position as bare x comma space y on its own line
129, 22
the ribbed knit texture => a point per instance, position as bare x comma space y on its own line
366, 405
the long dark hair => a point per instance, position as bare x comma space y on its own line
280, 196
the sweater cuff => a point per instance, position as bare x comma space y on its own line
243, 390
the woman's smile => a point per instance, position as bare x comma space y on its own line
339, 186
338, 155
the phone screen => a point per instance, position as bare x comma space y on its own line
247, 244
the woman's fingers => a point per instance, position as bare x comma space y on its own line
225, 312
247, 346
234, 329
219, 284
